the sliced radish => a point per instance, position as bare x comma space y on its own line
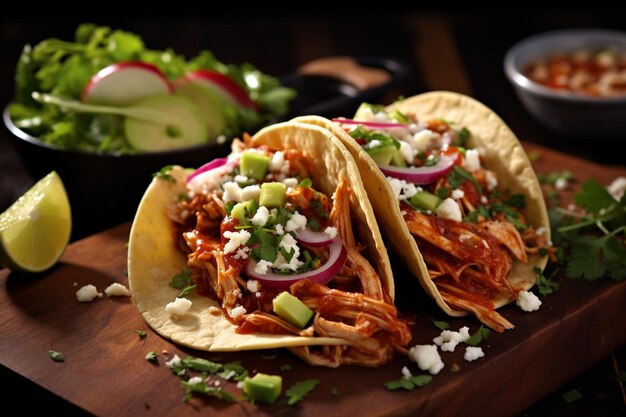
125, 83
221, 84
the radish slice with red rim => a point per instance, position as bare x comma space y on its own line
421, 175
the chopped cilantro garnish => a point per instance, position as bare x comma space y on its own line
233, 370
182, 279
164, 174
408, 383
202, 388
201, 365
186, 291
141, 333
441, 325
462, 137
553, 177
481, 335
545, 285
306, 182
594, 243
316, 205
228, 207
314, 224
267, 245
152, 356
458, 176
56, 356
429, 162
285, 367
571, 396
300, 389
443, 192
369, 135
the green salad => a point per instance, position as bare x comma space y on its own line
106, 92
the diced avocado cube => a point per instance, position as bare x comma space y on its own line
254, 164
398, 116
397, 160
292, 310
382, 155
243, 210
263, 387
272, 194
425, 200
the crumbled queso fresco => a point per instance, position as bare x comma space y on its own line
427, 358
87, 293
117, 290
178, 307
528, 301
472, 353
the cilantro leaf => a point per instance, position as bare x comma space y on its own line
553, 177
141, 333
265, 244
152, 356
201, 365
164, 174
300, 389
481, 335
594, 197
182, 279
545, 285
186, 291
572, 396
202, 388
585, 259
458, 176
56, 356
408, 384
441, 325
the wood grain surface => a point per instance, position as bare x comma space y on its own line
105, 372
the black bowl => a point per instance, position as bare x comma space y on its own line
104, 188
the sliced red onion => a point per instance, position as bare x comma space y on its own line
216, 163
336, 259
311, 238
375, 125
421, 175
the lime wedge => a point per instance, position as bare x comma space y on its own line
35, 230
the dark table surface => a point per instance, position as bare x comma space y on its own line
458, 50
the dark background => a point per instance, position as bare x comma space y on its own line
278, 43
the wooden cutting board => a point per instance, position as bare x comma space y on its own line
106, 374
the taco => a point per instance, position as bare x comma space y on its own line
456, 197
285, 212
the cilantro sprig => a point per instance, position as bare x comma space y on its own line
299, 390
592, 245
408, 384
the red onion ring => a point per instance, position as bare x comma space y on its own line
421, 175
323, 274
375, 125
314, 239
216, 163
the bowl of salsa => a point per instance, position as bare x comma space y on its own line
572, 81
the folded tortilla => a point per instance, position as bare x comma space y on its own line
503, 154
153, 256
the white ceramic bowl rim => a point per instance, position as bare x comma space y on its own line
543, 44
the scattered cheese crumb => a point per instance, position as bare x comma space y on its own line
86, 293
262, 267
406, 374
617, 187
196, 380
297, 221
253, 285
238, 311
471, 162
448, 340
449, 209
457, 194
116, 289
492, 180
178, 307
251, 192
331, 231
560, 183
472, 353
240, 178
242, 253
279, 229
235, 239
541, 231
528, 301
232, 192
290, 182
175, 361
278, 159
261, 216
422, 139
427, 358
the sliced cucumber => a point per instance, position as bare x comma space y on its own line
181, 124
209, 104
425, 200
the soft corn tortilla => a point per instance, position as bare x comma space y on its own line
503, 154
153, 257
